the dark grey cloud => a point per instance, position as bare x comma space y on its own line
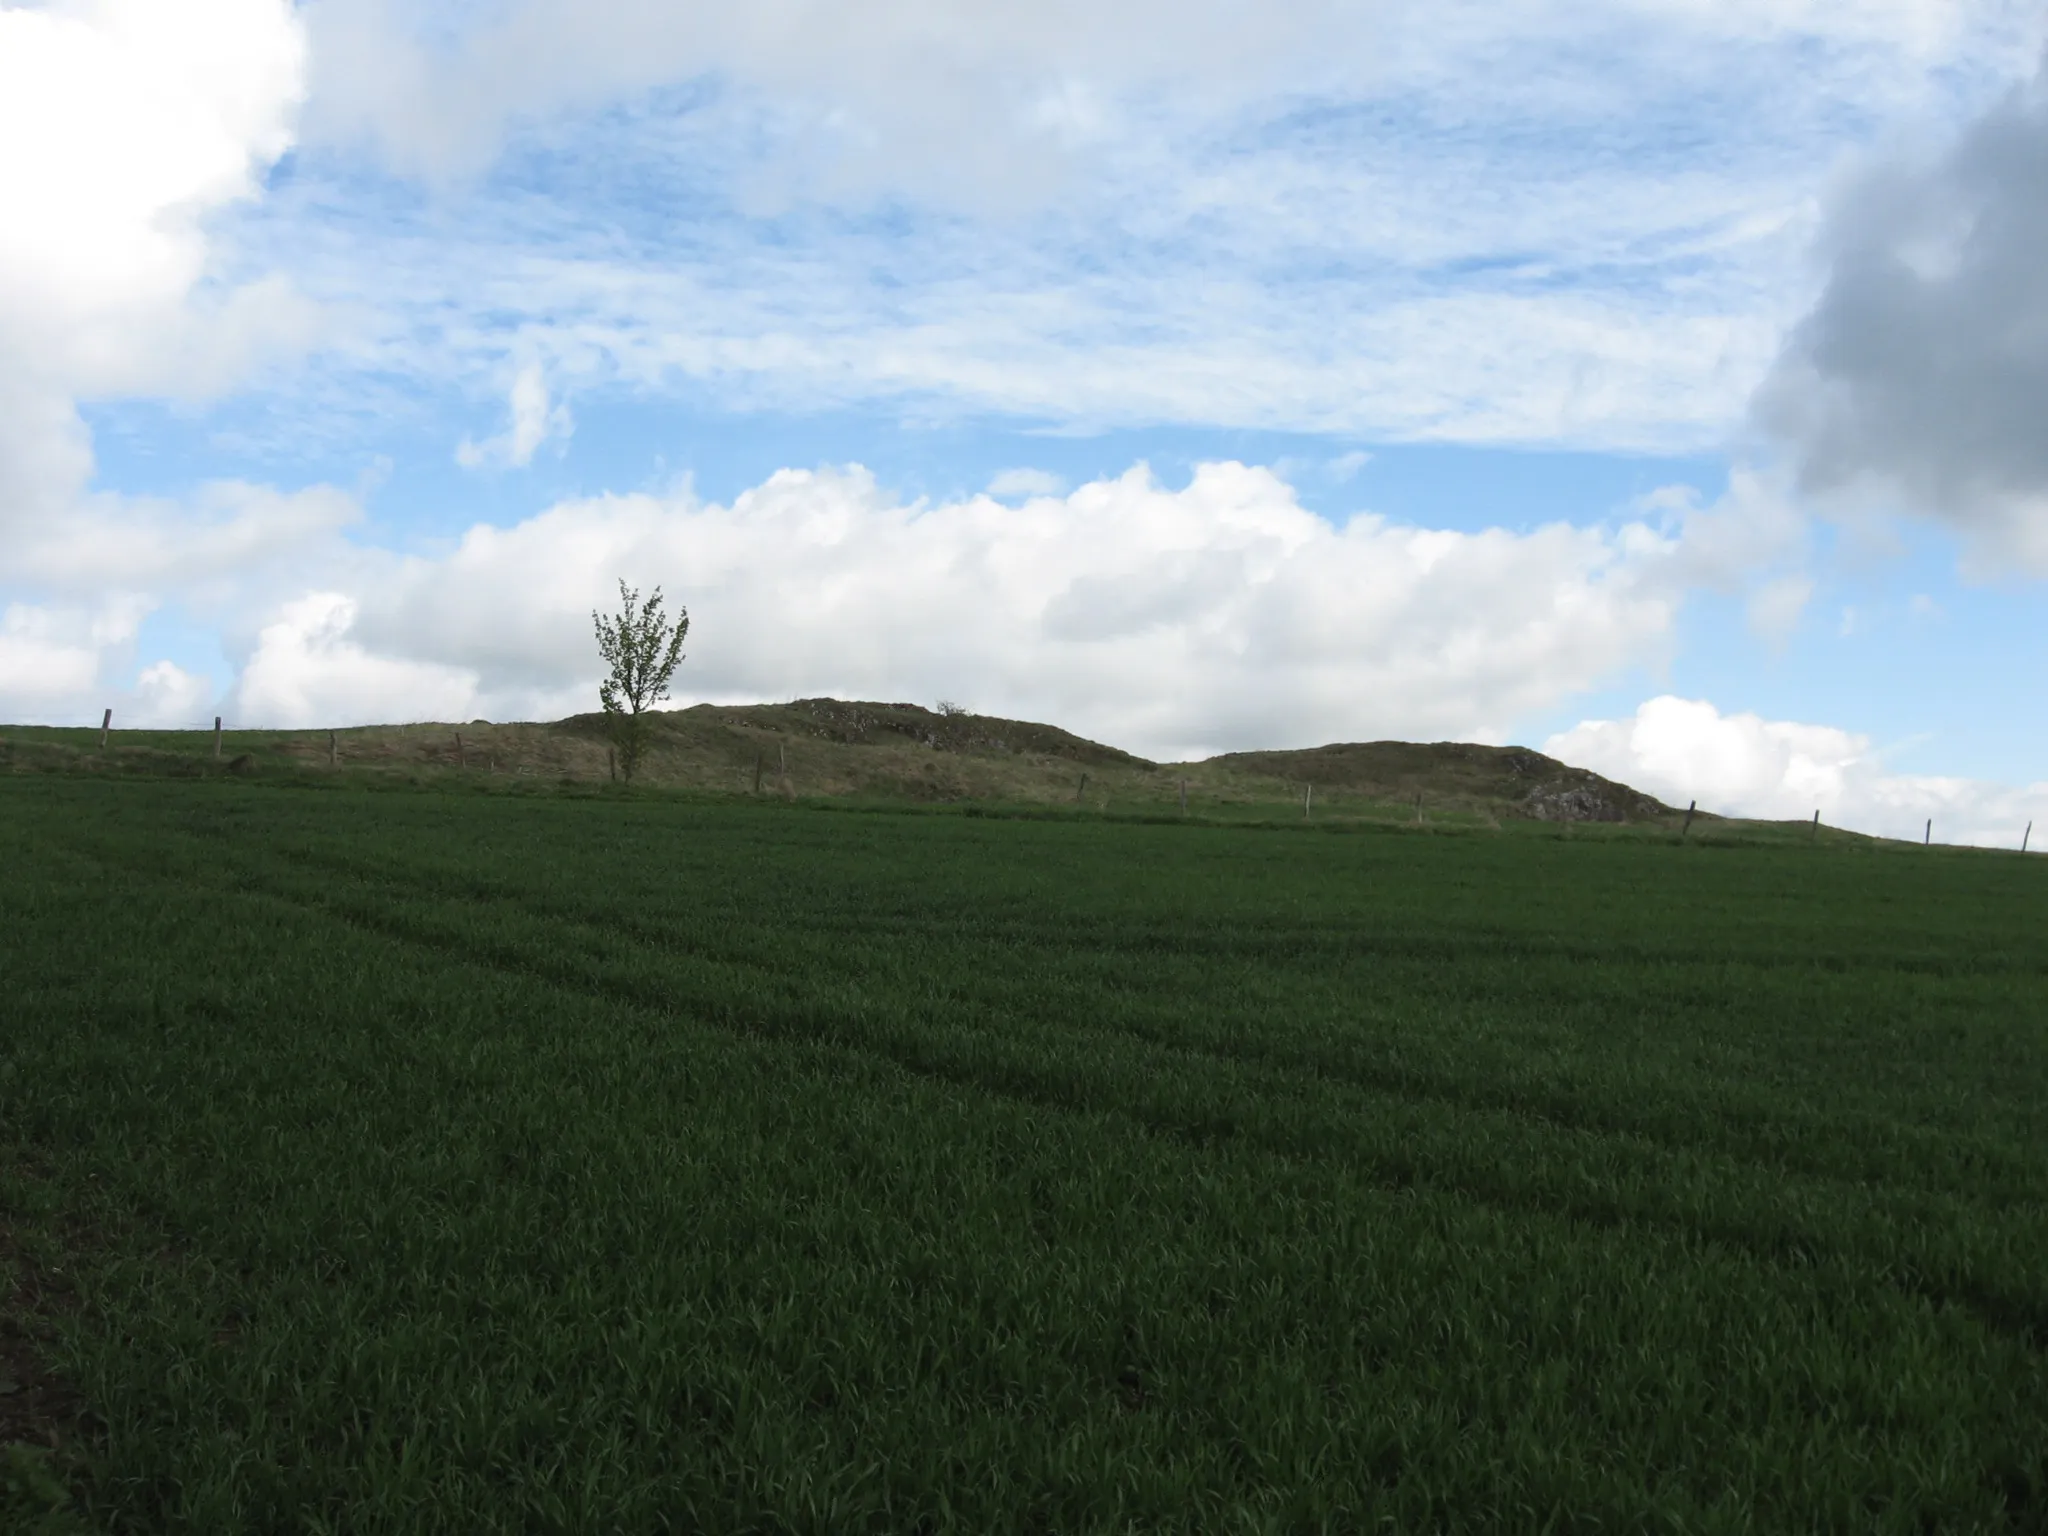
1922, 373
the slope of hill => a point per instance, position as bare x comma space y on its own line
835, 747
1526, 782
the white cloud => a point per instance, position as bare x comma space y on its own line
226, 534
54, 657
1752, 539
1742, 765
103, 562
1752, 527
167, 697
143, 115
307, 671
534, 421
1010, 483
1776, 607
123, 125
40, 664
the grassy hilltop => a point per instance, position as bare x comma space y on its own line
895, 753
581, 1160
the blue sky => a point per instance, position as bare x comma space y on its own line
1651, 381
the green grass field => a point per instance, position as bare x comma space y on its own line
418, 1160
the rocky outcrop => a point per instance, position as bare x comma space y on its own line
1578, 802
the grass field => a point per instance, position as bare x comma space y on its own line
414, 1160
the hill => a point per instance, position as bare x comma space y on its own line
860, 748
1522, 781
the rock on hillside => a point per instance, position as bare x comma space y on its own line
1527, 782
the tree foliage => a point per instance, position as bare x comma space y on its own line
642, 648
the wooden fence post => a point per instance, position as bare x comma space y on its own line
216, 738
1685, 831
1081, 789
1927, 837
2026, 837
1815, 836
611, 762
106, 722
461, 757
1308, 795
760, 760
333, 752
1418, 810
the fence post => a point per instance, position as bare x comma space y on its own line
611, 762
1927, 837
2026, 836
333, 753
216, 738
461, 757
1685, 831
106, 721
1081, 789
760, 759
1308, 795
1418, 810
1184, 797
1814, 837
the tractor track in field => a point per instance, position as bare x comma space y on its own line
1733, 1143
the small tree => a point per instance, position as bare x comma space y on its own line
642, 649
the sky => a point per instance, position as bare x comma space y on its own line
1662, 384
